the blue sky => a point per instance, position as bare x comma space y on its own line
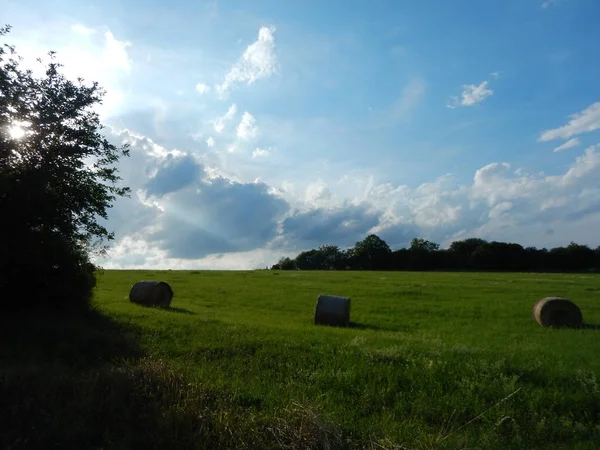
260, 129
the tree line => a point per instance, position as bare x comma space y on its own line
474, 254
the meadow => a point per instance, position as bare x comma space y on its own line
431, 360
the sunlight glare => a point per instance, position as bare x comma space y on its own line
16, 132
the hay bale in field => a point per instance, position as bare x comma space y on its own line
332, 310
151, 293
557, 312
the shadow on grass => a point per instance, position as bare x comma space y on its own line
590, 326
179, 310
75, 340
83, 382
173, 309
392, 328
364, 326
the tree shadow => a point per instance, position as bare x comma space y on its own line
84, 340
590, 326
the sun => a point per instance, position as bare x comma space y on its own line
16, 132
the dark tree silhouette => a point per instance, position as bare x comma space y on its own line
57, 178
373, 253
423, 245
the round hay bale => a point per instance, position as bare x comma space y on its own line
557, 312
332, 310
151, 293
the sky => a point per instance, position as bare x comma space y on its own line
261, 129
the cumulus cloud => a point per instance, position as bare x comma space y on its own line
260, 152
584, 168
567, 145
190, 210
219, 216
185, 211
343, 225
173, 174
581, 122
202, 88
499, 209
136, 253
258, 61
471, 95
219, 124
498, 204
247, 129
317, 193
210, 142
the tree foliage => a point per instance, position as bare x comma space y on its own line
423, 245
57, 179
373, 253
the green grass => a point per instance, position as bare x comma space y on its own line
238, 363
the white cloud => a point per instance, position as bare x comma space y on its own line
581, 122
219, 124
471, 95
182, 199
94, 54
496, 74
210, 142
585, 165
202, 88
231, 112
317, 193
133, 252
500, 209
82, 29
247, 129
258, 61
490, 172
115, 52
569, 144
260, 152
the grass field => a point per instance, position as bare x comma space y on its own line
238, 363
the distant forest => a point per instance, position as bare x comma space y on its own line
373, 253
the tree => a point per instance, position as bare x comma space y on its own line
462, 251
332, 258
57, 178
423, 245
579, 257
284, 264
372, 253
308, 260
423, 254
